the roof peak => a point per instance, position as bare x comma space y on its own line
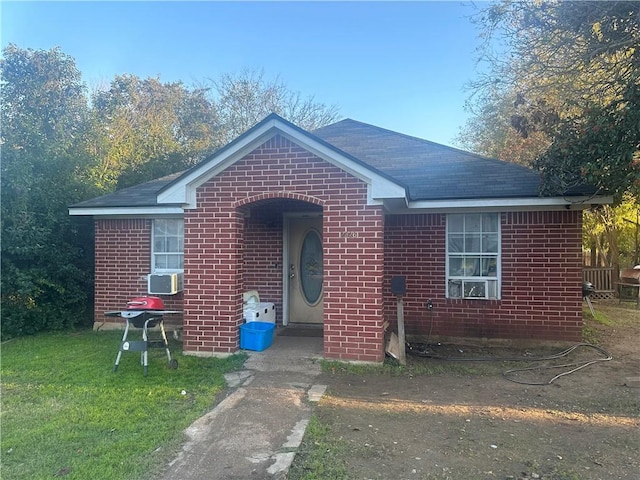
419, 139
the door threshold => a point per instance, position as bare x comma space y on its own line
301, 330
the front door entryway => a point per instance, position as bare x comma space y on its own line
305, 271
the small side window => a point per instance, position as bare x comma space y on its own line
167, 247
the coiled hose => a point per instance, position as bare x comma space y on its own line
421, 351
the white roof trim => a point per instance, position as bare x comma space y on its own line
505, 204
119, 211
500, 205
184, 190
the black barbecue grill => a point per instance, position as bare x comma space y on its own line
144, 313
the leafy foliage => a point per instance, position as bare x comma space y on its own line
145, 129
567, 73
601, 148
46, 255
610, 234
490, 131
59, 149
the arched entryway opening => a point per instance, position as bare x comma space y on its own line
282, 255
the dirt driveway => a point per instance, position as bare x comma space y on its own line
465, 420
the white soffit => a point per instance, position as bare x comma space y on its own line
127, 211
184, 190
505, 204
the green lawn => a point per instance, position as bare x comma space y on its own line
66, 413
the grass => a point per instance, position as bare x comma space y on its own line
602, 318
324, 457
66, 413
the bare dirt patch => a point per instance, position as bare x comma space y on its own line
470, 422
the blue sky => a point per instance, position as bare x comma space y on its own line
402, 66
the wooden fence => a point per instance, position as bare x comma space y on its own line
602, 280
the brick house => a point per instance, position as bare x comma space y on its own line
319, 223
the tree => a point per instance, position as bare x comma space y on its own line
573, 72
145, 129
56, 151
490, 131
610, 234
46, 255
244, 99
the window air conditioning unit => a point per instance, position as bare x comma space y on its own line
165, 283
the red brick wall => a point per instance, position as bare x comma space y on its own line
541, 278
213, 274
123, 260
354, 269
221, 248
233, 242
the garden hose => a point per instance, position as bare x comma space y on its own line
421, 351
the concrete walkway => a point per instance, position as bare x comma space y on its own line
255, 431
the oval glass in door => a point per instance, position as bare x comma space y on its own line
311, 267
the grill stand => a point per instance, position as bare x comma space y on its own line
143, 320
588, 300
587, 290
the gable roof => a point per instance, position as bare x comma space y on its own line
400, 171
431, 171
183, 189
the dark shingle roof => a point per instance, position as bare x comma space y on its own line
431, 171
143, 195
428, 170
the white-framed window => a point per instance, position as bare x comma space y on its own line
167, 251
473, 255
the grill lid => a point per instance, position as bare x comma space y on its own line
588, 289
145, 303
630, 275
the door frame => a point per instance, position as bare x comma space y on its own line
286, 256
